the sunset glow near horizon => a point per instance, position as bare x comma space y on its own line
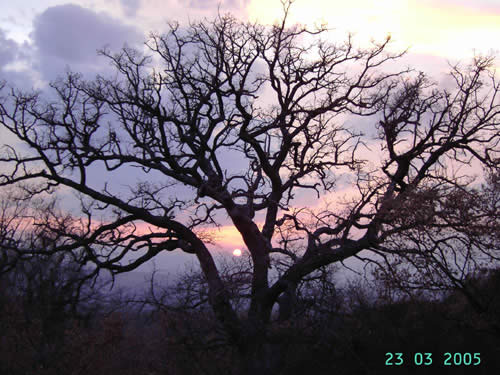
33, 47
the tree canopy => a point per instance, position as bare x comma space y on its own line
226, 120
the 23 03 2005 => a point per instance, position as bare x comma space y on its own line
426, 359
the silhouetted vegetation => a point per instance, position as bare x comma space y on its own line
349, 331
235, 123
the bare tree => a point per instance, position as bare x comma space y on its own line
461, 245
238, 120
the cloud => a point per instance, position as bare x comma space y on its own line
130, 7
8, 50
445, 28
490, 6
69, 35
214, 4
14, 57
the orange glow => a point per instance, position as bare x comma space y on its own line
228, 237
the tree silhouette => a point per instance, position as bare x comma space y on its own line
236, 120
42, 294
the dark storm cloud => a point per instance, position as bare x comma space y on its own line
69, 36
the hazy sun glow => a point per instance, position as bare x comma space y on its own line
438, 28
237, 252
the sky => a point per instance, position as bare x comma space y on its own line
41, 39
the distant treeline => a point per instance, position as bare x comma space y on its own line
343, 331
